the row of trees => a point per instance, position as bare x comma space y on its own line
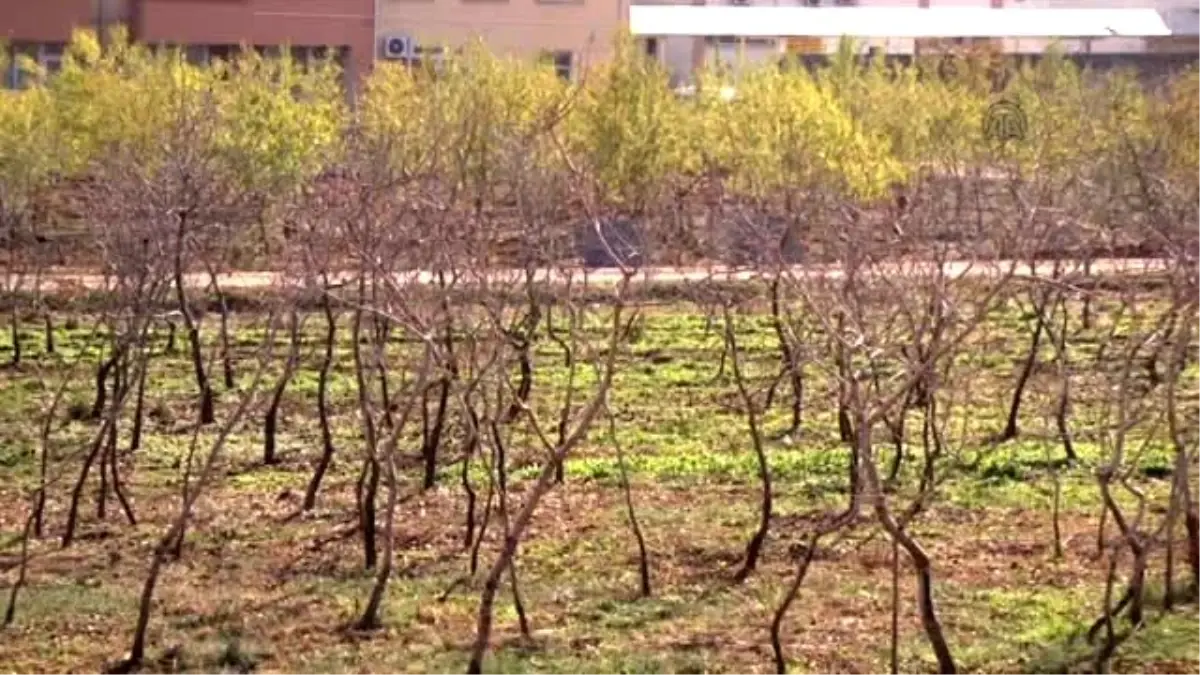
437, 221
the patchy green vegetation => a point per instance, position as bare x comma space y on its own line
335, 388
263, 586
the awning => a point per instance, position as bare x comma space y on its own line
894, 22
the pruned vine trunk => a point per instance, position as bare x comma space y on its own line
327, 449
271, 421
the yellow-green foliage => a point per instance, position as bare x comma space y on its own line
1177, 118
263, 121
396, 120
784, 130
463, 121
620, 133
121, 99
31, 145
27, 147
278, 123
629, 128
921, 122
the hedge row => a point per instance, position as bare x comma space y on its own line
141, 135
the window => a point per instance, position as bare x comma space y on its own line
652, 47
47, 55
222, 52
268, 51
13, 77
735, 41
308, 57
51, 56
561, 60
197, 55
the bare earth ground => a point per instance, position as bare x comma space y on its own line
261, 588
65, 279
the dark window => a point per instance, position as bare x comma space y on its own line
47, 55
562, 61
197, 55
222, 52
652, 48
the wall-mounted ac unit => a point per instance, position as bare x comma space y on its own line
740, 3
397, 47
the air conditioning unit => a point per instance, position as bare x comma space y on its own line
740, 3
397, 47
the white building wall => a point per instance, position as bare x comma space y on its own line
1096, 46
682, 54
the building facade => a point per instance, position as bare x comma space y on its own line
207, 28
571, 33
683, 55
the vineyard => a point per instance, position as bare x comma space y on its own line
870, 379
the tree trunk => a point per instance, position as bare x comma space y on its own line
383, 332
845, 428
48, 322
487, 598
102, 374
207, 412
788, 599
569, 363
77, 491
120, 393
15, 328
270, 423
310, 495
470, 446
1014, 409
518, 603
896, 431
634, 526
110, 449
1062, 411
433, 434
367, 491
370, 616
484, 522
754, 547
139, 408
791, 360
10, 613
368, 477
223, 330
118, 490
920, 560
173, 538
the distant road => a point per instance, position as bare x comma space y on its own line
60, 280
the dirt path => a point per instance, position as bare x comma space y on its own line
65, 280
